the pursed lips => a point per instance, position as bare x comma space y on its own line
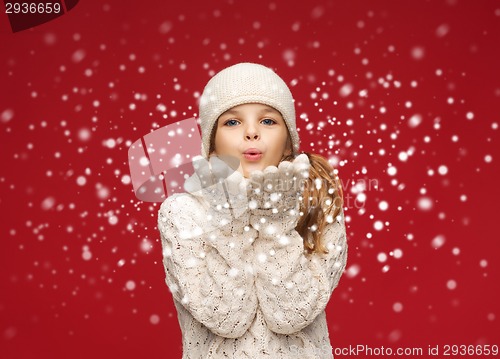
253, 151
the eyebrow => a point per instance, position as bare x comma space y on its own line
263, 111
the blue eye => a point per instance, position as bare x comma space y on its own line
268, 121
231, 123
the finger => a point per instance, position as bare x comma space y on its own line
202, 170
301, 161
192, 184
233, 183
237, 193
286, 175
301, 166
285, 166
219, 168
231, 161
256, 181
271, 179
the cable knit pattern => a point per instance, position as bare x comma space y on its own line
206, 271
247, 280
292, 288
243, 294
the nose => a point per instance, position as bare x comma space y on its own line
251, 134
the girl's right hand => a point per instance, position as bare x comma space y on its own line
222, 189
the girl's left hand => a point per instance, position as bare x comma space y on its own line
275, 194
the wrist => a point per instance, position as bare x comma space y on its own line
277, 247
236, 249
271, 223
228, 221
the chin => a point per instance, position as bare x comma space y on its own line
253, 167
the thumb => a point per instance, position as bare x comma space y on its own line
223, 167
192, 184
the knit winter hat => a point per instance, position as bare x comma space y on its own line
240, 84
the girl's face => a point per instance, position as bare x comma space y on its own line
253, 133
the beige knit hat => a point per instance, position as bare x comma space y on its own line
240, 84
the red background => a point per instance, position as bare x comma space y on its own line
81, 271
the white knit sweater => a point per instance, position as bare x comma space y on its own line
241, 296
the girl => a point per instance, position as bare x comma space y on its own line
255, 248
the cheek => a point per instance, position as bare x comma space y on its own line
222, 142
218, 139
287, 143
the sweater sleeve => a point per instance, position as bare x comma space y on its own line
294, 288
210, 273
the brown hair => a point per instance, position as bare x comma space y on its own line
322, 202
